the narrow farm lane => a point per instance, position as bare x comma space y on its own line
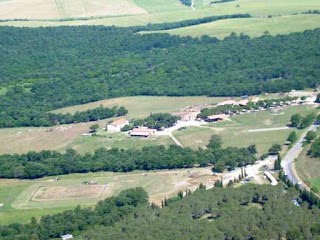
288, 160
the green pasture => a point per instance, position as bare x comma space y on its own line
85, 144
253, 27
142, 106
237, 131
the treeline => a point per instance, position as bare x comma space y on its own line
234, 109
85, 64
187, 23
314, 150
105, 213
51, 119
221, 1
49, 163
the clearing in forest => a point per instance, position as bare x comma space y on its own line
24, 198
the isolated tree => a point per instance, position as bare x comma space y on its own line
296, 120
277, 163
311, 135
215, 142
308, 120
94, 128
292, 137
275, 148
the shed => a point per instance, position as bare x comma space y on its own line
67, 236
142, 132
217, 118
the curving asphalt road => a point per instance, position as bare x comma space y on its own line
287, 162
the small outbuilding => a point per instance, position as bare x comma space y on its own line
67, 236
117, 125
142, 132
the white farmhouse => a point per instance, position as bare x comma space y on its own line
117, 125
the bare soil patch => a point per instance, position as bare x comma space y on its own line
68, 192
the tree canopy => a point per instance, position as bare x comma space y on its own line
65, 66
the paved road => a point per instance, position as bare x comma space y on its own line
287, 162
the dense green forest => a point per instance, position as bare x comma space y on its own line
47, 68
48, 163
247, 212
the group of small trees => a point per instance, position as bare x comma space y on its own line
301, 122
157, 121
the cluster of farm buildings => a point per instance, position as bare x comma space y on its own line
191, 113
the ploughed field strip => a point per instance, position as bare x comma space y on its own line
68, 192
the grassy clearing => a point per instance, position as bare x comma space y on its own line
142, 106
116, 140
236, 132
308, 168
169, 11
315, 182
19, 199
253, 27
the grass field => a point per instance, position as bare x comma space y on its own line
142, 106
308, 168
156, 11
24, 198
237, 131
116, 140
253, 27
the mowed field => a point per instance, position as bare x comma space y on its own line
24, 198
247, 129
141, 12
253, 27
309, 168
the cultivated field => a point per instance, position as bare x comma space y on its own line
24, 198
238, 131
56, 9
159, 11
253, 27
